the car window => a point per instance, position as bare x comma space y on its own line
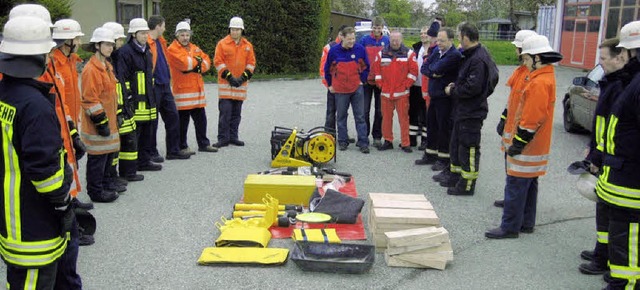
596, 74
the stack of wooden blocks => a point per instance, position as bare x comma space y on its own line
405, 227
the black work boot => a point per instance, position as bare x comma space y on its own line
593, 268
587, 255
104, 196
442, 175
451, 179
441, 164
385, 146
426, 159
462, 187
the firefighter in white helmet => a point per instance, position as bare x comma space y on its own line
235, 62
37, 173
188, 62
134, 71
618, 185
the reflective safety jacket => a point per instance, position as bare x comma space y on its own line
135, 70
516, 82
66, 67
58, 94
125, 112
33, 161
611, 86
618, 184
187, 84
99, 96
346, 69
535, 114
235, 57
395, 71
373, 46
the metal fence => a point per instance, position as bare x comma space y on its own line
497, 35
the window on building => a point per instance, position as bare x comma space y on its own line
595, 10
627, 16
629, 2
613, 18
570, 11
128, 9
594, 25
156, 8
614, 3
569, 25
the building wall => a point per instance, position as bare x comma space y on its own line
92, 14
339, 19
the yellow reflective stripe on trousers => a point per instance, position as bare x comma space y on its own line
472, 161
119, 92
611, 132
31, 280
603, 237
456, 168
128, 155
54, 181
115, 161
11, 184
624, 272
599, 135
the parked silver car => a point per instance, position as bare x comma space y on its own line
580, 101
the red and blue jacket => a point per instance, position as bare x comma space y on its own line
373, 46
346, 69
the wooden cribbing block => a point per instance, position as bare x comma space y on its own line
405, 216
397, 196
413, 237
388, 203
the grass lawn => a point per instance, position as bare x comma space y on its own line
503, 52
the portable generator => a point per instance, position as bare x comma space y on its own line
293, 148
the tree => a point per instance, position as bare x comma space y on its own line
396, 13
58, 9
353, 7
420, 14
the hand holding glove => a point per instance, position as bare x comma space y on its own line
78, 146
102, 124
520, 140
500, 127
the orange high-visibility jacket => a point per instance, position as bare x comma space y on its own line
395, 72
187, 85
50, 76
154, 51
236, 58
516, 83
66, 67
535, 114
99, 95
323, 58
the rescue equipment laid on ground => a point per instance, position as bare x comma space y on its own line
262, 207
249, 256
342, 208
253, 232
316, 235
290, 147
333, 258
313, 217
288, 189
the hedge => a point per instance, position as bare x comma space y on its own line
287, 35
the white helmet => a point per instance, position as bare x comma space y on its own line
102, 34
630, 35
236, 22
66, 29
116, 28
26, 35
34, 10
138, 24
183, 25
521, 36
586, 185
536, 44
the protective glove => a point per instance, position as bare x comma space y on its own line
226, 74
62, 205
235, 82
198, 67
521, 140
102, 124
500, 127
246, 75
78, 146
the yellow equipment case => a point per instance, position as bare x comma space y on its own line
288, 189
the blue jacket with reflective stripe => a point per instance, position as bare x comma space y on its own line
32, 148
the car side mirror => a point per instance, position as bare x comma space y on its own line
579, 81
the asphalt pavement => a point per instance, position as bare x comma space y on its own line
152, 236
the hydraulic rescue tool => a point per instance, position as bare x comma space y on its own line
293, 148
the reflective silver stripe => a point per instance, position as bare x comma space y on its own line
403, 59
206, 63
623, 272
108, 147
68, 118
32, 279
406, 92
98, 138
506, 135
443, 155
190, 63
378, 77
528, 130
411, 76
51, 182
603, 237
386, 95
600, 124
431, 151
385, 60
633, 193
93, 109
188, 95
220, 67
633, 245
413, 127
531, 158
526, 169
250, 67
11, 183
227, 86
190, 103
25, 246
